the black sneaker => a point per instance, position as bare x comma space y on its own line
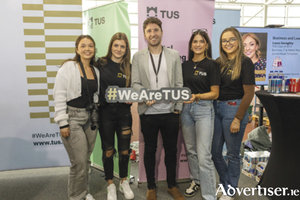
192, 189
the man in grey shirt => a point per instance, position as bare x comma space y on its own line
153, 68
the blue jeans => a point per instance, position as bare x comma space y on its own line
197, 121
224, 114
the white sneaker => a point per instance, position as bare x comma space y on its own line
225, 197
111, 192
192, 189
89, 197
125, 188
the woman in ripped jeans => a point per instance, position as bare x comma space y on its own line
115, 117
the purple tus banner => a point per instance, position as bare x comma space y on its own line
179, 19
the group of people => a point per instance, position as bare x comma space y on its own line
216, 113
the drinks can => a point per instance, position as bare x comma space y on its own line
296, 87
283, 85
286, 85
292, 83
278, 85
270, 85
273, 85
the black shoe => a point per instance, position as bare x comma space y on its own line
192, 189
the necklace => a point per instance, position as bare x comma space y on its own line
195, 64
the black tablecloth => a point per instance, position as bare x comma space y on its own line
283, 169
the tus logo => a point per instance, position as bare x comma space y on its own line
98, 21
152, 12
151, 9
90, 23
200, 73
120, 75
115, 94
229, 72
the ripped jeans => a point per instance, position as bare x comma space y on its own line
115, 118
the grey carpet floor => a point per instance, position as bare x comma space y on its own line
51, 184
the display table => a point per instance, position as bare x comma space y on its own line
283, 169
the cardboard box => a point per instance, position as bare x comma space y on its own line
248, 174
256, 156
260, 168
254, 160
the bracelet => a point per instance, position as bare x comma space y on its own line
236, 120
197, 97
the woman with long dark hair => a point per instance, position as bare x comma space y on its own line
75, 94
202, 75
231, 116
115, 117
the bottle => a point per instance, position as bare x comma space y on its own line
275, 75
270, 77
281, 75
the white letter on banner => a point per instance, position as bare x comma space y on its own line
144, 95
185, 95
166, 93
134, 96
157, 96
123, 93
173, 95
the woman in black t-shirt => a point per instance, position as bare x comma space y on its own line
236, 93
202, 75
115, 117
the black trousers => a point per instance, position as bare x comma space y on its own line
168, 124
114, 118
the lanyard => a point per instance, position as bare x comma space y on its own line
153, 65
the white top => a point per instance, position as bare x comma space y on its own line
67, 87
163, 81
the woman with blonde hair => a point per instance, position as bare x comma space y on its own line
115, 117
251, 49
75, 97
231, 116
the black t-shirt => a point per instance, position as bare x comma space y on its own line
199, 80
234, 89
110, 75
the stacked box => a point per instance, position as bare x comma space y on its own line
260, 168
250, 161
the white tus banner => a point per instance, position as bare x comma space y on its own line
37, 36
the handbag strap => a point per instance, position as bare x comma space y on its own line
84, 76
